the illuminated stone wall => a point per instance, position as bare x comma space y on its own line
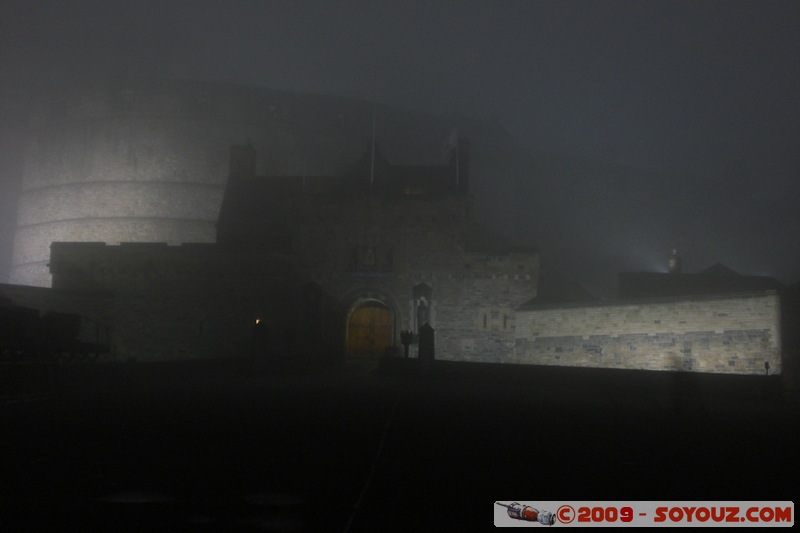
195, 301
198, 301
473, 295
147, 162
459, 302
733, 334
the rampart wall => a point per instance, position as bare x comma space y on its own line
732, 334
190, 301
195, 301
178, 302
95, 306
472, 313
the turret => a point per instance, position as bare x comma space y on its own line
675, 263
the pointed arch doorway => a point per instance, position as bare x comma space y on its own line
370, 329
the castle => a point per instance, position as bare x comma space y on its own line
146, 160
329, 246
336, 265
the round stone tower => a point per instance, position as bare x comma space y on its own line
148, 161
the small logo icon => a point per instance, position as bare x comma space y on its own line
565, 514
529, 514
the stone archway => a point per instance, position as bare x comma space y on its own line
370, 329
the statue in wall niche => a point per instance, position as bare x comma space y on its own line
422, 312
422, 297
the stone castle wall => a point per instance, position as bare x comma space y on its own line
734, 334
193, 301
406, 235
147, 162
96, 307
178, 302
473, 314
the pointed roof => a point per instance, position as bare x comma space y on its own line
716, 279
718, 270
559, 288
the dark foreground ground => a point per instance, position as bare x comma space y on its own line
217, 446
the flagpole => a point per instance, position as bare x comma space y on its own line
453, 142
457, 158
372, 162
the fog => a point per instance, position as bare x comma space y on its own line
638, 127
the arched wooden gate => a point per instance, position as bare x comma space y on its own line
370, 329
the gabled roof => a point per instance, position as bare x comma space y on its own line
716, 279
558, 288
718, 270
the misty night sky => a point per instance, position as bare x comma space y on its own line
690, 109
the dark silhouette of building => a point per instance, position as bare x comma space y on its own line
716, 279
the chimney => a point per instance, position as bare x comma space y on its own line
460, 164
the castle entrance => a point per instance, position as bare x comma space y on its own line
370, 329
